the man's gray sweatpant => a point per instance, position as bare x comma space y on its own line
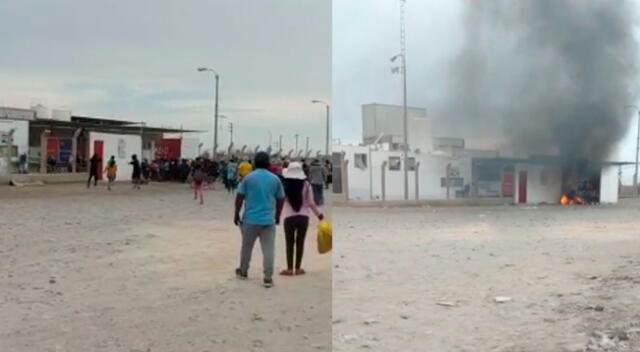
250, 233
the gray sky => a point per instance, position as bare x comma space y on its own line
366, 35
137, 60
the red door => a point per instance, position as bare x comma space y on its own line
522, 187
98, 149
507, 184
52, 148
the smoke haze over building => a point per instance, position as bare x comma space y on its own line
546, 76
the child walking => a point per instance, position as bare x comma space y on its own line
111, 170
298, 206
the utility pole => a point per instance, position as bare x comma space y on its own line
296, 143
403, 71
231, 132
215, 113
215, 120
619, 178
280, 143
635, 174
326, 148
405, 127
306, 150
328, 127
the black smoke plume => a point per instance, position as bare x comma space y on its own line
547, 77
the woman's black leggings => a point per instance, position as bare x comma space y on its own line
295, 230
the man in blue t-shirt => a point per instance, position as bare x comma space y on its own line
263, 198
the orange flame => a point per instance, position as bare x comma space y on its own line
564, 200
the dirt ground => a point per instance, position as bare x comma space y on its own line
426, 279
146, 271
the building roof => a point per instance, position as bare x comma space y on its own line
16, 113
101, 121
111, 126
396, 106
544, 160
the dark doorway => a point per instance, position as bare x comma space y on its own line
522, 187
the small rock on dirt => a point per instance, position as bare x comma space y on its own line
502, 299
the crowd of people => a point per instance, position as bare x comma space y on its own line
266, 191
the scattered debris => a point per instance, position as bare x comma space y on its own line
371, 322
502, 299
348, 338
446, 304
597, 308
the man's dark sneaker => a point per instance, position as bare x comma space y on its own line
240, 275
267, 283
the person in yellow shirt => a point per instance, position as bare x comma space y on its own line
244, 169
111, 170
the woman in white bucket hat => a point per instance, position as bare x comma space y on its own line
298, 206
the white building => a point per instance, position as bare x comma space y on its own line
14, 136
386, 122
58, 142
120, 146
442, 168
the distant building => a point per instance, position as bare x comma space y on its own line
443, 168
386, 122
63, 143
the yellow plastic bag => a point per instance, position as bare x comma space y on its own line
325, 236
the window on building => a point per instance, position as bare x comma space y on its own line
4, 150
488, 172
122, 148
394, 163
360, 161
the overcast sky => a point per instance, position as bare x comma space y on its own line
137, 60
366, 35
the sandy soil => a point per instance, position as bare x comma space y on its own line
146, 271
425, 279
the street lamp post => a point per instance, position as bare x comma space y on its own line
405, 127
215, 113
328, 108
635, 173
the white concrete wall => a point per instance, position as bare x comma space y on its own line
133, 145
537, 192
189, 148
609, 185
387, 119
431, 169
20, 136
